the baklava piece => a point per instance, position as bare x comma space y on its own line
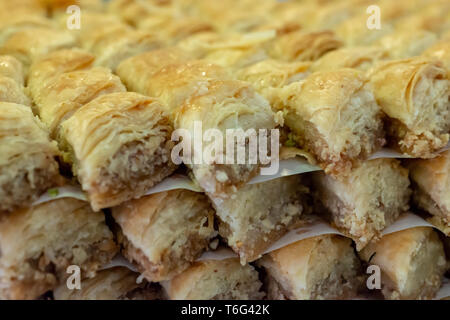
216, 280
333, 115
257, 215
40, 242
164, 233
412, 263
367, 200
119, 145
318, 268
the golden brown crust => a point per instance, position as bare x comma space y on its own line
177, 83
178, 29
195, 91
273, 73
224, 105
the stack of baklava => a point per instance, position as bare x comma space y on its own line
94, 93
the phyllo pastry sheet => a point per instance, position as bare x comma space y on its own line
231, 50
165, 233
216, 280
27, 157
40, 242
412, 263
175, 30
322, 267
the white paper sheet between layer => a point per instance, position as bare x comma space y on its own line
119, 261
386, 153
444, 292
176, 181
315, 228
318, 228
287, 167
60, 193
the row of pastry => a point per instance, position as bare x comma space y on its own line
177, 20
410, 265
244, 16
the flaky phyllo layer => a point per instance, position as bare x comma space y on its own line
414, 93
120, 145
